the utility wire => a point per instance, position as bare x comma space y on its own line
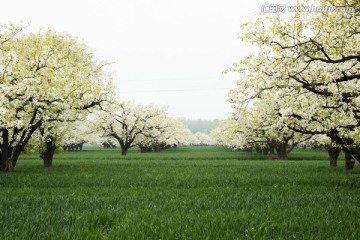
174, 90
171, 79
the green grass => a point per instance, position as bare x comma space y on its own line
186, 193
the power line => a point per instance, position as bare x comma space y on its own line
171, 79
174, 90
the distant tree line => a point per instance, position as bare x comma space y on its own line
200, 125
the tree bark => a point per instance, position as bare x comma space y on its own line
124, 150
282, 151
349, 161
348, 144
4, 150
48, 154
354, 151
9, 154
16, 153
333, 154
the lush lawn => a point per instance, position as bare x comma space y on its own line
187, 193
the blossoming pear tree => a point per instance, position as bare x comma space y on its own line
311, 63
45, 78
259, 126
202, 139
174, 133
225, 134
129, 123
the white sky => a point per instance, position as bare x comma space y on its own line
167, 52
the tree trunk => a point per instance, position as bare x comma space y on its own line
354, 151
16, 153
9, 154
281, 151
4, 150
349, 161
333, 154
347, 143
125, 145
48, 154
124, 150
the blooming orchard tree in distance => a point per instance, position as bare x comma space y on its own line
45, 78
310, 63
129, 123
49, 137
257, 127
70, 135
226, 134
174, 133
46, 140
202, 139
145, 126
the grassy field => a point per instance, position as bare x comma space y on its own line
186, 193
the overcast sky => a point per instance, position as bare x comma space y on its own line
167, 52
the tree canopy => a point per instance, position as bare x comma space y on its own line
305, 74
45, 78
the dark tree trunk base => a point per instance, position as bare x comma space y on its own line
354, 151
333, 154
282, 152
7, 166
349, 161
48, 154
